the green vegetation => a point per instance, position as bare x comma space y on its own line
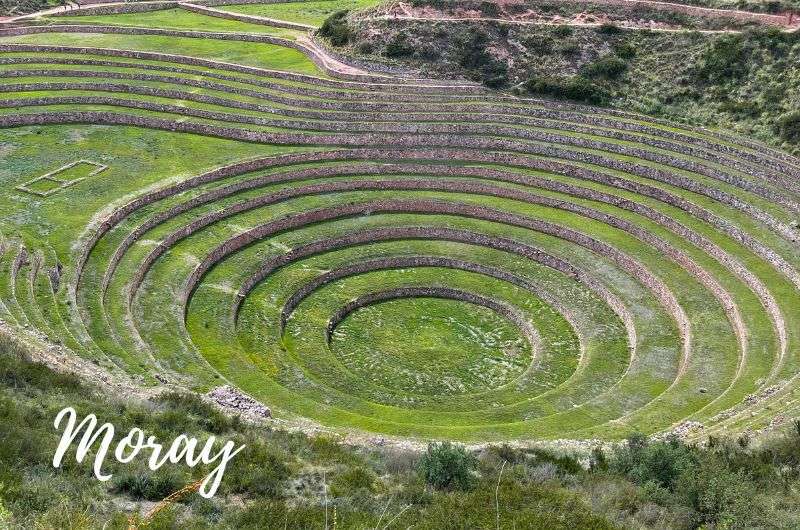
758, 6
21, 7
256, 54
412, 259
575, 88
286, 480
311, 12
335, 29
446, 467
789, 127
382, 370
175, 19
742, 81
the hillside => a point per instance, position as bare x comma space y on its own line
746, 81
434, 264
290, 480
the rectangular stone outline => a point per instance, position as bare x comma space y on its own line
64, 183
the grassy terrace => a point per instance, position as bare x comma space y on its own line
312, 13
260, 55
620, 273
175, 19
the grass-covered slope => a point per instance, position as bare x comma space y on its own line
747, 82
307, 12
284, 480
386, 253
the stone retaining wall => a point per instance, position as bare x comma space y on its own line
536, 164
625, 262
480, 189
759, 165
119, 9
407, 262
358, 140
768, 175
447, 293
760, 148
462, 113
230, 36
461, 236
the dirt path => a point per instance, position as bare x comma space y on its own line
329, 61
538, 23
62, 9
405, 11
709, 12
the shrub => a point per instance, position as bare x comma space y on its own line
608, 29
336, 29
538, 44
563, 31
626, 50
564, 463
725, 59
472, 55
490, 9
658, 462
576, 88
789, 127
398, 46
609, 67
598, 461
352, 480
568, 47
448, 466
259, 470
365, 48
720, 497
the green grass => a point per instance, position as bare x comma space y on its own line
312, 13
413, 367
175, 19
248, 53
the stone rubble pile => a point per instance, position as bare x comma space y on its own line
230, 398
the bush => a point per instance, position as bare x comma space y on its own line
720, 497
352, 480
446, 466
725, 59
398, 47
336, 30
576, 88
490, 9
563, 31
569, 47
608, 29
609, 67
539, 45
625, 50
789, 127
472, 55
259, 470
659, 462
